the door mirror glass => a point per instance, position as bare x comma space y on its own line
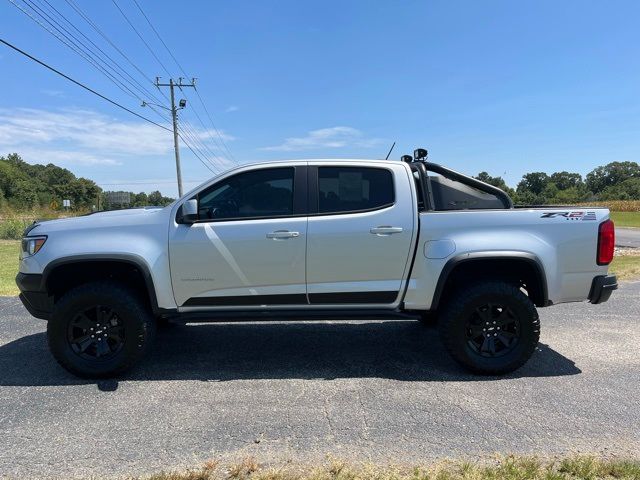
190, 211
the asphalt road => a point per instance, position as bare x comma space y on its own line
365, 390
628, 237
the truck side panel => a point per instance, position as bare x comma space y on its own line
564, 246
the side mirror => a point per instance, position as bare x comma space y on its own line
190, 211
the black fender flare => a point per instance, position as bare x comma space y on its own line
455, 261
129, 258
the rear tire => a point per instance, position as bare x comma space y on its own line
100, 330
490, 328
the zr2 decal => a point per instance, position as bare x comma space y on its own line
575, 215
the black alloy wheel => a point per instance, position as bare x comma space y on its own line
96, 333
492, 330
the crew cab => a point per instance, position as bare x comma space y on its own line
317, 239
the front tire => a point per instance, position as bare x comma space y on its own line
100, 330
490, 328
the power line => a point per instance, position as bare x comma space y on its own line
198, 156
224, 145
93, 25
186, 125
140, 36
139, 87
159, 37
220, 147
87, 53
173, 108
64, 39
96, 60
89, 89
193, 149
197, 143
213, 124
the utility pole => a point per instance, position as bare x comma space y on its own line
174, 114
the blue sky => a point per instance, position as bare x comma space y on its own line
502, 86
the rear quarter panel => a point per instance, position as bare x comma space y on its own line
564, 246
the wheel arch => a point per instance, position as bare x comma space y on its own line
55, 270
523, 266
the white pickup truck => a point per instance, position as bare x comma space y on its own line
316, 239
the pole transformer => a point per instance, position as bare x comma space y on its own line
174, 114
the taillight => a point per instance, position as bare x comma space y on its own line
606, 242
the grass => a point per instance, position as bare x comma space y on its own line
506, 468
626, 219
626, 267
9, 251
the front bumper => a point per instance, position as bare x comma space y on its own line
33, 295
602, 287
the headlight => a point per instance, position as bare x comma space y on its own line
32, 245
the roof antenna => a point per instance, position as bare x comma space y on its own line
390, 150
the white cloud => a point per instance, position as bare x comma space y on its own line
333, 137
232, 108
53, 93
66, 157
214, 135
83, 137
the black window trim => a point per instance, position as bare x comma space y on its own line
314, 191
299, 198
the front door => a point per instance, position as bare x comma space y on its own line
248, 247
361, 227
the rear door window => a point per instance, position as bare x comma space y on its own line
354, 189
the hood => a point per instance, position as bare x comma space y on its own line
123, 211
104, 219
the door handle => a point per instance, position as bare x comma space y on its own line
385, 230
280, 234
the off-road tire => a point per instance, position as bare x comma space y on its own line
133, 317
455, 329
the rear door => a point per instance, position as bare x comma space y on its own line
360, 232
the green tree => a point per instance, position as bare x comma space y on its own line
140, 200
496, 182
534, 183
156, 199
565, 180
628, 189
27, 186
611, 174
550, 192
